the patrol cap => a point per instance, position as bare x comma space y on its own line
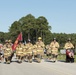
39, 38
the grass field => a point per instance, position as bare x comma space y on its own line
63, 57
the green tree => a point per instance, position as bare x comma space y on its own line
31, 28
14, 30
27, 24
1, 37
43, 25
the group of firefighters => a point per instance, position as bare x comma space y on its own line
28, 51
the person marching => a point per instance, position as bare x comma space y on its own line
19, 51
48, 51
54, 45
29, 49
7, 52
40, 48
69, 51
11, 44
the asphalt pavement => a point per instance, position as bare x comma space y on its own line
34, 68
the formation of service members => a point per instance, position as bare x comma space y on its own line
53, 50
28, 51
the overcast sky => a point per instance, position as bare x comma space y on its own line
61, 14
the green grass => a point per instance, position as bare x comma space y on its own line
63, 57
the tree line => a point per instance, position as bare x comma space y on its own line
32, 28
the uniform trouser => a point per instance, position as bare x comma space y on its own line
1, 55
7, 59
48, 53
69, 59
72, 60
11, 55
54, 57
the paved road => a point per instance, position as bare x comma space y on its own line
34, 68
